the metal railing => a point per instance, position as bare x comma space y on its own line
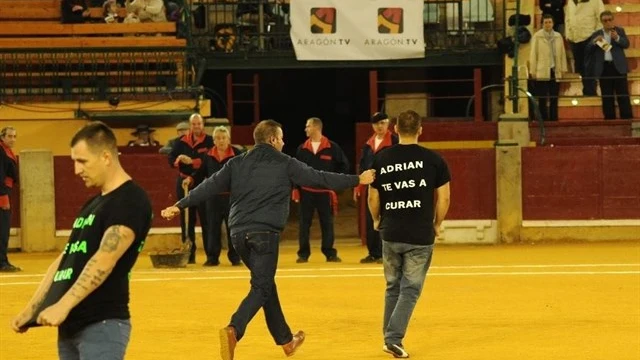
260, 28
69, 74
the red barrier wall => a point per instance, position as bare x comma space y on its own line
435, 131
15, 206
581, 182
473, 183
151, 171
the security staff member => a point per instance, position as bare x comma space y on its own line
321, 154
187, 156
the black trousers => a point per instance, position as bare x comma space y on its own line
5, 226
201, 209
374, 244
614, 86
218, 213
259, 251
584, 67
547, 92
310, 201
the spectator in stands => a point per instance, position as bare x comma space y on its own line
8, 176
582, 20
548, 62
147, 10
110, 11
74, 11
554, 8
382, 138
607, 48
143, 132
321, 154
182, 128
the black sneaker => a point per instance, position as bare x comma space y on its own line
9, 268
397, 350
302, 260
334, 258
236, 263
371, 260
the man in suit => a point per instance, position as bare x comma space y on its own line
607, 49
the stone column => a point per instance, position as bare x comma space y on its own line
509, 191
37, 201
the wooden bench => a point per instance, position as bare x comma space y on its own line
43, 10
34, 28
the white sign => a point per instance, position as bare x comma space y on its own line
357, 29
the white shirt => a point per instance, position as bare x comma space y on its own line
607, 54
377, 143
315, 145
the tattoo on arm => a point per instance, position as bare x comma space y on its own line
111, 239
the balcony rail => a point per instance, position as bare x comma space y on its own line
92, 73
260, 28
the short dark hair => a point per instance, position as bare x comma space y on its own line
606, 13
5, 130
409, 123
98, 136
546, 16
265, 130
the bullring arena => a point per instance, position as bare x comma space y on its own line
539, 256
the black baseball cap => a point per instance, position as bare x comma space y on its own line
379, 116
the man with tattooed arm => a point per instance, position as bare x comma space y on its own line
85, 292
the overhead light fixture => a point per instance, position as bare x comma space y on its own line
636, 101
574, 102
618, 8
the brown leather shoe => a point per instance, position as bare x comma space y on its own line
228, 342
294, 344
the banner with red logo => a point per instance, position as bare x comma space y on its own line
357, 29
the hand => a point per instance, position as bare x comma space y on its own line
76, 8
598, 38
54, 315
186, 182
185, 159
18, 322
376, 224
614, 35
356, 194
367, 177
86, 13
6, 207
438, 229
170, 212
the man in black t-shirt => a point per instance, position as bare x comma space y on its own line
85, 292
401, 203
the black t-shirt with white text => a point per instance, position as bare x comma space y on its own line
129, 206
406, 179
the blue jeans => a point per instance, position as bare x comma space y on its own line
104, 340
405, 269
259, 251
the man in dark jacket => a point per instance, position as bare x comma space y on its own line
187, 156
321, 154
260, 182
610, 65
382, 138
8, 176
218, 206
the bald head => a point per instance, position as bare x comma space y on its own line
196, 124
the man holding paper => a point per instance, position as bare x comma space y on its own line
607, 48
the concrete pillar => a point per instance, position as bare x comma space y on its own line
37, 201
509, 191
635, 129
514, 127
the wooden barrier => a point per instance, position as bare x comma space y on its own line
36, 28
